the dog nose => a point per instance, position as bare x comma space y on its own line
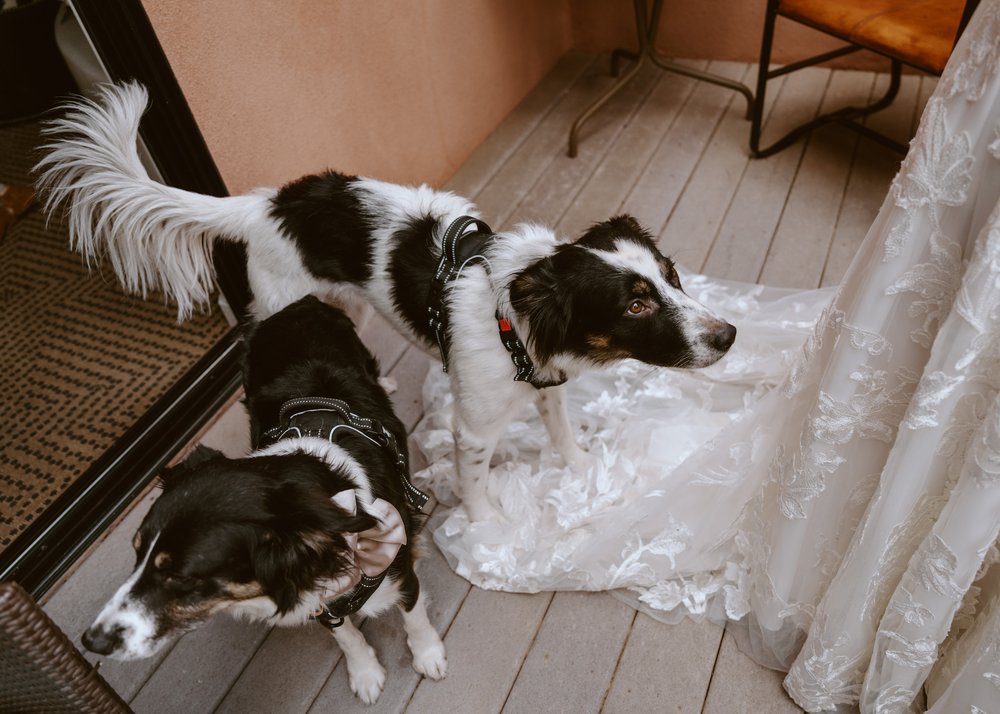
723, 337
102, 641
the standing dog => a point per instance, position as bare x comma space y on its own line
608, 296
316, 522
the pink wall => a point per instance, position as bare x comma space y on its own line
404, 89
399, 90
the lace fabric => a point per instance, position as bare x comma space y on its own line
833, 485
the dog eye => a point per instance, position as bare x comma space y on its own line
637, 307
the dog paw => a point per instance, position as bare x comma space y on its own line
367, 680
430, 660
389, 384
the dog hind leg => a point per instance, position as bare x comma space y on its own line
364, 671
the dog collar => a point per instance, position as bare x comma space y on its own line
327, 418
460, 247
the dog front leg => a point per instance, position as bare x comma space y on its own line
365, 673
474, 449
551, 404
423, 640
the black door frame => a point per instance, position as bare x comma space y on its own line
127, 45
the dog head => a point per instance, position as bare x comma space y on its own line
256, 533
612, 295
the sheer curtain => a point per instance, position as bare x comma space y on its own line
833, 486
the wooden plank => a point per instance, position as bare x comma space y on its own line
745, 234
488, 641
383, 340
445, 593
695, 218
898, 120
199, 670
230, 433
802, 240
505, 140
573, 658
285, 673
741, 686
872, 172
562, 179
497, 199
655, 194
409, 373
670, 665
610, 182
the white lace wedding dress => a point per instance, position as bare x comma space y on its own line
832, 486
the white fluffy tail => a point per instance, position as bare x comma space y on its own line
156, 237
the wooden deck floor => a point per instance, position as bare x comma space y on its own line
672, 152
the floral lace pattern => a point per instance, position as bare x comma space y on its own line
833, 485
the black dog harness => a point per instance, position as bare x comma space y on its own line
461, 247
326, 418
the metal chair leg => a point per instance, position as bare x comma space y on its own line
647, 26
616, 57
757, 115
669, 66
847, 117
645, 34
574, 132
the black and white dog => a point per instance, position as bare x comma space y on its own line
608, 296
319, 517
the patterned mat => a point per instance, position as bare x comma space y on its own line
79, 361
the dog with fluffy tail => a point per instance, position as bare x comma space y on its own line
607, 296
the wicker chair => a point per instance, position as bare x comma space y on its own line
40, 669
918, 33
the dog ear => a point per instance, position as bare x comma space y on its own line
199, 455
537, 294
621, 226
195, 458
303, 543
627, 224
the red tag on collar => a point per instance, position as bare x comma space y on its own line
504, 325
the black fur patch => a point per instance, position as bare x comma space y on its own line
412, 262
331, 229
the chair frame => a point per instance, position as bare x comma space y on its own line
847, 116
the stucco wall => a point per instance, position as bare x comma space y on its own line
405, 89
401, 90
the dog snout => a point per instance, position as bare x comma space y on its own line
721, 336
103, 641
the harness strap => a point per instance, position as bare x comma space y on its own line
461, 247
448, 269
323, 417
